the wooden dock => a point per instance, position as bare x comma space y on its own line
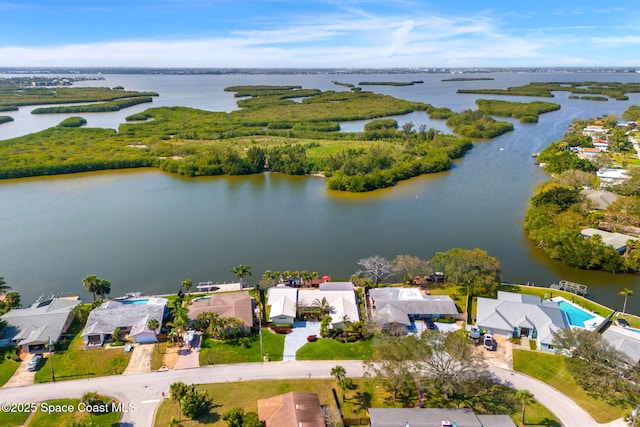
574, 288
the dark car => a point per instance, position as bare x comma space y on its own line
430, 324
622, 322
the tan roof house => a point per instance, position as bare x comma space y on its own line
230, 304
291, 410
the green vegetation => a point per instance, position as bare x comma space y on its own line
13, 96
9, 363
13, 419
73, 122
5, 119
271, 132
526, 112
71, 361
613, 90
329, 349
350, 85
8, 108
590, 98
67, 418
552, 369
632, 113
238, 350
477, 124
95, 108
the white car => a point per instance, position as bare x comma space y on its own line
474, 333
488, 342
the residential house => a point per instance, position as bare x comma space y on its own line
399, 306
34, 327
131, 316
617, 240
609, 177
230, 304
282, 303
291, 410
341, 297
588, 152
624, 340
594, 131
518, 315
435, 417
601, 198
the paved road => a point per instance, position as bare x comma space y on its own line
144, 391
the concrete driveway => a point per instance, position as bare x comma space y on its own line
190, 357
140, 361
298, 337
21, 376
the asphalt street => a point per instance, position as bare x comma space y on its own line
144, 391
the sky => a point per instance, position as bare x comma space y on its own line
319, 33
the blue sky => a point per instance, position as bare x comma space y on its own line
319, 33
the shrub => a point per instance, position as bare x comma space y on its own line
312, 338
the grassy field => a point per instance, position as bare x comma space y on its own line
8, 365
551, 369
60, 418
71, 361
158, 356
328, 349
365, 394
212, 351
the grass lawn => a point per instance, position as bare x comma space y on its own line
66, 418
551, 369
8, 366
328, 349
11, 419
243, 395
157, 357
71, 361
231, 351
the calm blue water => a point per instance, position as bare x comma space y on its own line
576, 316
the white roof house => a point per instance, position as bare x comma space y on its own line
521, 315
343, 303
132, 319
283, 302
33, 327
612, 176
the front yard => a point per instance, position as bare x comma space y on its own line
238, 351
328, 349
71, 361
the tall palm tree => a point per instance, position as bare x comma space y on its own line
3, 285
240, 271
153, 325
323, 305
338, 372
526, 398
177, 391
103, 288
90, 283
626, 293
186, 284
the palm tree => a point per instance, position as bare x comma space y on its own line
12, 299
90, 283
3, 285
526, 397
338, 372
240, 271
103, 288
153, 325
323, 305
177, 391
186, 284
626, 293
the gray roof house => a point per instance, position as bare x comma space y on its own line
435, 417
283, 304
601, 198
401, 305
521, 315
624, 340
131, 317
31, 328
617, 240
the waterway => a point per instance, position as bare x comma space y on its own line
146, 231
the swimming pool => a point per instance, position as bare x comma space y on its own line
136, 301
576, 316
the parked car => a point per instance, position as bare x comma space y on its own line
430, 324
622, 322
488, 342
474, 333
34, 362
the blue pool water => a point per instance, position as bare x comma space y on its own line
576, 316
136, 301
637, 331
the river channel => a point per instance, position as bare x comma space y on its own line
145, 230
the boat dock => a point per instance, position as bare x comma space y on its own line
574, 288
